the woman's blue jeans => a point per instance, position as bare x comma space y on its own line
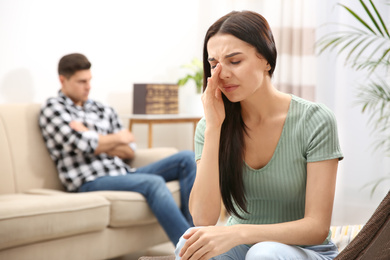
150, 181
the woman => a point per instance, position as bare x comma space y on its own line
271, 157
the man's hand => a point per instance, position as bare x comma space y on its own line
78, 126
113, 144
122, 151
116, 144
125, 136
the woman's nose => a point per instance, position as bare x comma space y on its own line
225, 72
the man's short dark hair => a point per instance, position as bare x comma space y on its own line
71, 63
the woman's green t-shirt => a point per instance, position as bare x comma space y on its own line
276, 192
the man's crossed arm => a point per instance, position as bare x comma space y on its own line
112, 144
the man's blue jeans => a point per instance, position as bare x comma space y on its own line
150, 182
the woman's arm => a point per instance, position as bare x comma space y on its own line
313, 229
205, 198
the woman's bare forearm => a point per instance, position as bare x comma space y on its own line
205, 198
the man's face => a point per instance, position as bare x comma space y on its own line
77, 87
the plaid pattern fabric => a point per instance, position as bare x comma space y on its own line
72, 151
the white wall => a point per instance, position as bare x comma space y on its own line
144, 41
147, 41
126, 41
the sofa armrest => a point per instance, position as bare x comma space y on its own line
146, 156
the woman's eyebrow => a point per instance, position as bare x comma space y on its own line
227, 56
232, 54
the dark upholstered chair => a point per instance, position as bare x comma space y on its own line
373, 241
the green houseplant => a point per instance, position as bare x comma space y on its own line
195, 73
367, 49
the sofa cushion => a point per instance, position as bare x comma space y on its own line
26, 218
131, 208
27, 163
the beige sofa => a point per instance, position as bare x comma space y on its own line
39, 220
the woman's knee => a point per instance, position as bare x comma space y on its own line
268, 250
182, 241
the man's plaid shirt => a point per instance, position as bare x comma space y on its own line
72, 151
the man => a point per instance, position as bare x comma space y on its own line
89, 146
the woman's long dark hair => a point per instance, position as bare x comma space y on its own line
252, 28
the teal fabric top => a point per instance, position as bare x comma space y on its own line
276, 192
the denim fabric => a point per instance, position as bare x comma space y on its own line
150, 182
273, 251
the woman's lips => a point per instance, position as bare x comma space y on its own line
230, 88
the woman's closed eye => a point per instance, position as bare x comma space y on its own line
232, 62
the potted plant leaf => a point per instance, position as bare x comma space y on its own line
195, 73
367, 47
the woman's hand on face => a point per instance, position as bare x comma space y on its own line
214, 108
207, 242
